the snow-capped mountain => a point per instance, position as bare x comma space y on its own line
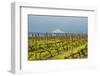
57, 31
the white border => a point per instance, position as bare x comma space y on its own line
19, 37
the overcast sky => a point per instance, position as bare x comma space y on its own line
51, 23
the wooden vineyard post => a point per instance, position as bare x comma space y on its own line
35, 46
